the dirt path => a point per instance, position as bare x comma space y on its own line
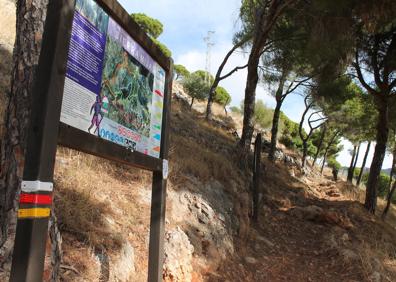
308, 231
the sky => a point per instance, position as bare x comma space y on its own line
187, 22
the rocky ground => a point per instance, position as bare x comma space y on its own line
311, 231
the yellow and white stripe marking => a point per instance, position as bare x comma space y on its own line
34, 212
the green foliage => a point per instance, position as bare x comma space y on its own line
333, 163
181, 71
222, 97
196, 86
289, 134
262, 115
151, 26
165, 50
383, 182
204, 75
235, 109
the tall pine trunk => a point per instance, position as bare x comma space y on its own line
350, 169
356, 159
323, 163
275, 120
388, 200
250, 99
363, 164
379, 154
218, 78
265, 18
392, 169
319, 145
29, 31
274, 130
305, 153
327, 150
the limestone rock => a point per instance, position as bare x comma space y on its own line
178, 256
375, 277
349, 256
123, 268
308, 213
265, 241
250, 260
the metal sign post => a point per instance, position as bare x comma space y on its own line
109, 28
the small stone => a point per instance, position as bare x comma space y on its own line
221, 217
250, 260
265, 241
375, 277
349, 255
345, 237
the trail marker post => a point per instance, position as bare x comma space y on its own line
256, 176
95, 66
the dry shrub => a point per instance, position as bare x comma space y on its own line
79, 183
201, 149
203, 163
83, 262
78, 214
351, 192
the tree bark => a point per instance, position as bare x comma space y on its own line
29, 30
305, 152
363, 164
192, 102
392, 169
327, 150
350, 169
356, 159
266, 17
323, 163
300, 131
250, 99
218, 78
275, 119
320, 144
379, 154
388, 201
274, 130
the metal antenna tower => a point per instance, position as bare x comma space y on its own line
209, 44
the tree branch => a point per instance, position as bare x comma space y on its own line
360, 75
374, 63
299, 83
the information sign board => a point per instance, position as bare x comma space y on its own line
113, 88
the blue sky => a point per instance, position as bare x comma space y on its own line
187, 22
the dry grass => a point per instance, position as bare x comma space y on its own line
100, 206
78, 206
202, 150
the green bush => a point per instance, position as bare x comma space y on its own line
332, 163
383, 183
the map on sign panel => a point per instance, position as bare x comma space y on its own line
113, 88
